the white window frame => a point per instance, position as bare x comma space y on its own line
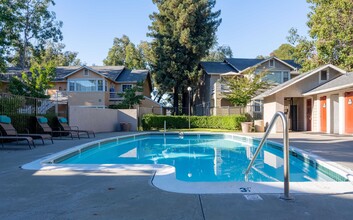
283, 76
86, 72
122, 86
85, 79
327, 76
259, 104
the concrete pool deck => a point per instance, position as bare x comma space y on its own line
130, 194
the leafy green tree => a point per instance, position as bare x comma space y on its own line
304, 51
116, 54
134, 57
183, 31
219, 54
35, 25
131, 97
243, 88
53, 52
331, 32
35, 83
284, 52
7, 30
124, 52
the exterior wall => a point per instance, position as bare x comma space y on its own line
86, 99
212, 89
57, 85
330, 119
272, 104
278, 67
146, 89
104, 120
80, 75
128, 116
4, 86
149, 103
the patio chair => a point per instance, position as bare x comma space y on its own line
43, 124
17, 138
8, 130
66, 127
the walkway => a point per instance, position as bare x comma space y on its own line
27, 194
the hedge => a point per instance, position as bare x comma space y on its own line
150, 122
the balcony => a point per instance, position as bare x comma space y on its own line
113, 96
59, 96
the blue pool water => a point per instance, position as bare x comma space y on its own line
199, 158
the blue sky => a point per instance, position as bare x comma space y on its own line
250, 28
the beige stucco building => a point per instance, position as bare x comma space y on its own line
93, 86
300, 105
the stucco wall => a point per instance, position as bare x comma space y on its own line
101, 120
129, 116
86, 98
329, 114
80, 75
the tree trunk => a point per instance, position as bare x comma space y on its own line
176, 100
185, 103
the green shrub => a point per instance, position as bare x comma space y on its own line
150, 122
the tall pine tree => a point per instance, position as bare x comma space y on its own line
183, 31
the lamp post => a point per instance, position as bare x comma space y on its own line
189, 90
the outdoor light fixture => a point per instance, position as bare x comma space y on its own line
189, 90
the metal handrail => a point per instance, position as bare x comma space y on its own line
285, 151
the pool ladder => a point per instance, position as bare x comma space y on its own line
285, 152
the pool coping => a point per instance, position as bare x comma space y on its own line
165, 179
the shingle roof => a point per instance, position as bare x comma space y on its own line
217, 67
132, 75
340, 82
243, 63
62, 71
111, 72
11, 72
292, 63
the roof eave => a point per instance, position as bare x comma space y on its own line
328, 90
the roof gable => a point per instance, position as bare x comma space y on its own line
297, 79
242, 64
340, 82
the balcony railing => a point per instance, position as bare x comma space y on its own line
113, 96
59, 96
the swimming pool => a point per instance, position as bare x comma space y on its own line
199, 163
202, 158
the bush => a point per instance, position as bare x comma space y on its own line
150, 122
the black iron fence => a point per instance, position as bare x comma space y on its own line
22, 110
203, 111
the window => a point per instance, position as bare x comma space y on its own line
86, 85
85, 72
274, 76
100, 85
323, 75
285, 76
125, 87
257, 106
71, 86
271, 63
277, 76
